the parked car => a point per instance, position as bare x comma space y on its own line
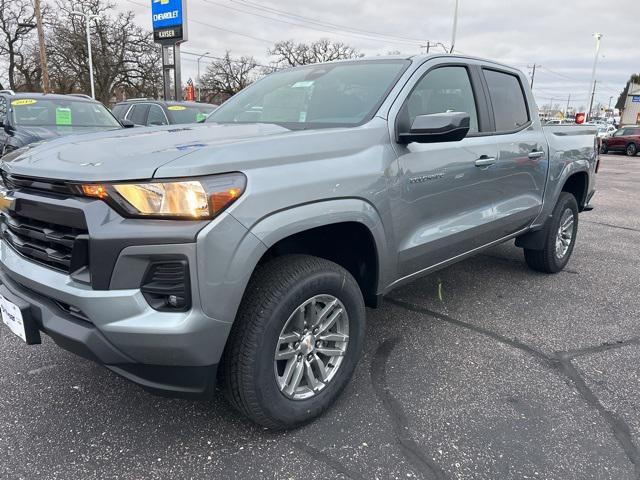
26, 118
150, 112
605, 130
626, 139
247, 247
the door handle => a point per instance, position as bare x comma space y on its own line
485, 161
536, 154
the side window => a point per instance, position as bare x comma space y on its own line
3, 109
507, 99
138, 114
445, 89
119, 111
156, 116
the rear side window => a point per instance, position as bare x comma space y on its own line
156, 116
507, 99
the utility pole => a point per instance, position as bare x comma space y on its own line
199, 79
566, 110
533, 74
43, 53
592, 85
455, 26
593, 93
87, 21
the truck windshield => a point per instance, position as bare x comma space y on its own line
48, 112
314, 96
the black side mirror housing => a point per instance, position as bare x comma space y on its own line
437, 127
127, 123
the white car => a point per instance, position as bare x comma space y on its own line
605, 131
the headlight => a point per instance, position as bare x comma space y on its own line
190, 199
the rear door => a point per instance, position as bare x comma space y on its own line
519, 176
443, 205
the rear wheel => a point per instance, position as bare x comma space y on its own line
604, 149
631, 150
295, 342
560, 237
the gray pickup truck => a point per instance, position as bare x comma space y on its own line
243, 251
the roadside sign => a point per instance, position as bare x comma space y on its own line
635, 98
580, 118
169, 21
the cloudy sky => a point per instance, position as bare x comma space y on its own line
557, 35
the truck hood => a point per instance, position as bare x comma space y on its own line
127, 154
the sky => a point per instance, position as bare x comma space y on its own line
556, 35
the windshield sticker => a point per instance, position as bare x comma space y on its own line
177, 107
63, 116
200, 117
23, 101
306, 84
303, 117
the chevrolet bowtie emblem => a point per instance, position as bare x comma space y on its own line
161, 2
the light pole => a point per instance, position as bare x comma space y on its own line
592, 85
199, 79
87, 18
43, 53
455, 26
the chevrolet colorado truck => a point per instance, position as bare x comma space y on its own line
242, 251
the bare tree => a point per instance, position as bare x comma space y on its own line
291, 54
124, 55
17, 19
229, 75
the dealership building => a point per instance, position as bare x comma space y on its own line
631, 112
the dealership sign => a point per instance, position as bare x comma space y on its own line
169, 19
635, 99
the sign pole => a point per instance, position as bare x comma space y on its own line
177, 73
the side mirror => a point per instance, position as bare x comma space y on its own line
437, 127
127, 123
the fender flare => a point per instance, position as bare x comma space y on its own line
284, 223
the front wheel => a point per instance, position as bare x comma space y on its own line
295, 342
560, 237
631, 150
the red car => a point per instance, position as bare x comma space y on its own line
626, 139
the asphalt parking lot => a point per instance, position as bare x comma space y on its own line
485, 370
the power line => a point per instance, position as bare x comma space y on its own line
265, 40
332, 30
273, 10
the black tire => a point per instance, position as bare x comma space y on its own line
275, 291
548, 260
604, 149
631, 150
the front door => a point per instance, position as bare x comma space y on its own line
443, 202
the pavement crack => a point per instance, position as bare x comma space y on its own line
559, 362
409, 447
603, 347
322, 457
496, 336
611, 225
620, 429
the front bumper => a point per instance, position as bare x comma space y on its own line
173, 353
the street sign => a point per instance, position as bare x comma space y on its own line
169, 21
635, 98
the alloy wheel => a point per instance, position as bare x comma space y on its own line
311, 347
564, 236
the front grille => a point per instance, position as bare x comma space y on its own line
18, 181
60, 247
